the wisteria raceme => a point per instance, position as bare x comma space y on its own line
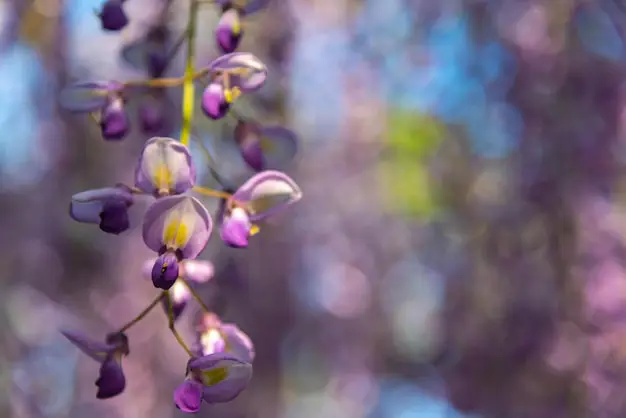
177, 226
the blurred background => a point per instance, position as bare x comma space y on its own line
458, 251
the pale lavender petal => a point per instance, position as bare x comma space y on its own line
165, 167
235, 228
87, 206
178, 223
111, 381
211, 341
95, 349
248, 138
238, 342
188, 396
87, 96
234, 376
198, 271
267, 193
256, 70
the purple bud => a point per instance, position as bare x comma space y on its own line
151, 116
112, 16
228, 32
214, 102
114, 121
165, 271
157, 63
114, 217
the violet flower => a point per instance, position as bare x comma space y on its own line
111, 380
228, 32
165, 167
107, 207
216, 378
265, 147
195, 271
178, 228
214, 336
263, 195
112, 16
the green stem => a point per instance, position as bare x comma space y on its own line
188, 86
142, 314
197, 297
172, 326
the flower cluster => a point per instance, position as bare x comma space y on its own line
177, 226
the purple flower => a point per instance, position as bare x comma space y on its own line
265, 147
215, 336
107, 207
191, 270
152, 114
214, 103
89, 96
179, 225
215, 378
165, 167
111, 381
263, 195
112, 16
114, 123
245, 71
228, 32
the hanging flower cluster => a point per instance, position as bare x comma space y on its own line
177, 226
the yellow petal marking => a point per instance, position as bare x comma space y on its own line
214, 376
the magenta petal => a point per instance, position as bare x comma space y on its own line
95, 349
238, 342
235, 229
268, 193
188, 396
214, 103
184, 215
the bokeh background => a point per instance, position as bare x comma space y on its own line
458, 252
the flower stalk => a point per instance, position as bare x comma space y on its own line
188, 86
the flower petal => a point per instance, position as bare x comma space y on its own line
188, 396
235, 228
95, 349
279, 146
87, 206
238, 342
224, 376
111, 381
198, 271
87, 96
256, 71
248, 138
179, 223
228, 31
165, 167
211, 341
267, 193
165, 270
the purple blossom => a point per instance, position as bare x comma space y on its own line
165, 167
112, 16
263, 195
216, 378
215, 336
111, 381
107, 207
228, 32
245, 71
265, 147
89, 96
114, 123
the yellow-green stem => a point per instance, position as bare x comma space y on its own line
142, 314
188, 86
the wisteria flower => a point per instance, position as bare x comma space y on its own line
232, 74
263, 195
107, 207
104, 99
111, 381
265, 147
216, 378
216, 336
228, 33
195, 271
178, 228
112, 15
165, 167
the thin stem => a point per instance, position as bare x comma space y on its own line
168, 82
172, 326
142, 314
188, 86
196, 296
212, 193
209, 159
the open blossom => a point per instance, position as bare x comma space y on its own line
195, 271
216, 378
265, 147
214, 336
263, 195
111, 380
178, 228
165, 167
107, 207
